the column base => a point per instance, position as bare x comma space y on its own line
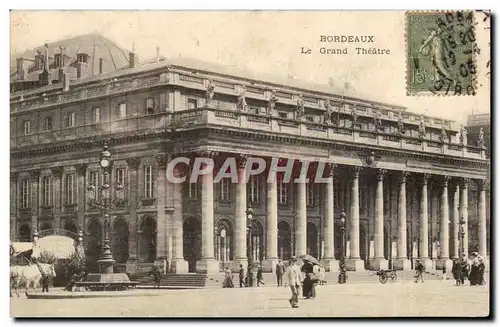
179, 266
427, 262
207, 266
444, 263
354, 264
235, 265
163, 264
131, 265
379, 264
402, 264
269, 265
330, 264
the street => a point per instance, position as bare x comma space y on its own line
400, 299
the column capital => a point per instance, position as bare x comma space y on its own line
464, 182
446, 180
330, 169
81, 169
403, 176
356, 170
380, 174
241, 160
207, 154
425, 178
35, 174
57, 171
483, 184
161, 160
133, 163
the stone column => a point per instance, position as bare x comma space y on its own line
208, 264
133, 165
402, 262
329, 261
379, 262
81, 194
240, 243
301, 220
444, 239
57, 173
161, 215
482, 219
464, 199
179, 264
424, 225
354, 262
272, 227
456, 219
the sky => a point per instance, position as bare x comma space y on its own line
267, 42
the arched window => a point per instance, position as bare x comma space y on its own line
147, 244
256, 240
223, 241
25, 233
284, 240
93, 241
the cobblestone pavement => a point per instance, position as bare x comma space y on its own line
432, 298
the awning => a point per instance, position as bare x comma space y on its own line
61, 247
19, 247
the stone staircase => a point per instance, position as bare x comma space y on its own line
172, 281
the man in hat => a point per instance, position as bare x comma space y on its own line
293, 277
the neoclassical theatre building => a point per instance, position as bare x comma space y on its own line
409, 186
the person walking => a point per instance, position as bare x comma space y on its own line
241, 276
45, 283
293, 277
259, 276
280, 271
419, 268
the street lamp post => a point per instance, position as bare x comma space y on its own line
462, 235
249, 213
342, 273
106, 260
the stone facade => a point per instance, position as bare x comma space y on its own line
402, 191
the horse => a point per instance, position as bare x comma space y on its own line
30, 275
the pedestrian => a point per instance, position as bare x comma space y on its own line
444, 273
45, 283
241, 276
259, 276
228, 279
155, 271
310, 280
419, 269
280, 271
456, 272
293, 277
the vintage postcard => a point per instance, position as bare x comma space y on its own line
250, 163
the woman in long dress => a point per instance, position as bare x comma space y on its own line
228, 279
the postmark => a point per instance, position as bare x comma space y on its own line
440, 53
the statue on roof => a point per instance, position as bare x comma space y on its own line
463, 135
299, 110
444, 135
377, 121
209, 95
401, 125
354, 116
421, 127
242, 103
328, 112
272, 102
480, 140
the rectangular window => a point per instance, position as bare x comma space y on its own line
27, 127
193, 190
311, 196
148, 182
70, 186
120, 176
122, 110
25, 194
94, 180
72, 119
224, 189
96, 115
192, 103
282, 114
47, 191
150, 104
282, 190
253, 189
47, 123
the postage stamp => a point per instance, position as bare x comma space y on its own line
440, 50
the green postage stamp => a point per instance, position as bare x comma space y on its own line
440, 53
